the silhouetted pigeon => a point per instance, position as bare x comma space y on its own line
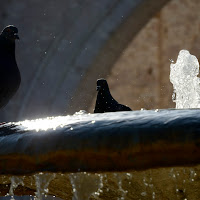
9, 73
105, 102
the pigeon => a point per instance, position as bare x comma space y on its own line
105, 102
10, 78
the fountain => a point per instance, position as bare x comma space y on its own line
147, 154
184, 78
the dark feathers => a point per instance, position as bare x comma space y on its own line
9, 73
105, 102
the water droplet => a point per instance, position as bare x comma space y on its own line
143, 194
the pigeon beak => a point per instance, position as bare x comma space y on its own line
98, 88
16, 36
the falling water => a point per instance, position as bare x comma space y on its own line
119, 179
122, 186
42, 182
83, 191
15, 182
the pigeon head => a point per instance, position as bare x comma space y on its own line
102, 85
10, 33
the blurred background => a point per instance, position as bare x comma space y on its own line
65, 46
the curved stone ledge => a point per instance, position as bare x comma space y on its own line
122, 141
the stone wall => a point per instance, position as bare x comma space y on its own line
61, 43
140, 77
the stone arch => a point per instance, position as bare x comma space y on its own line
118, 40
65, 47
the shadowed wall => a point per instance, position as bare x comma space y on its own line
65, 47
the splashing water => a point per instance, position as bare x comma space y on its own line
119, 178
42, 182
186, 84
15, 181
52, 122
85, 184
120, 186
149, 187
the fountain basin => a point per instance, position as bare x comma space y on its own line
122, 141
